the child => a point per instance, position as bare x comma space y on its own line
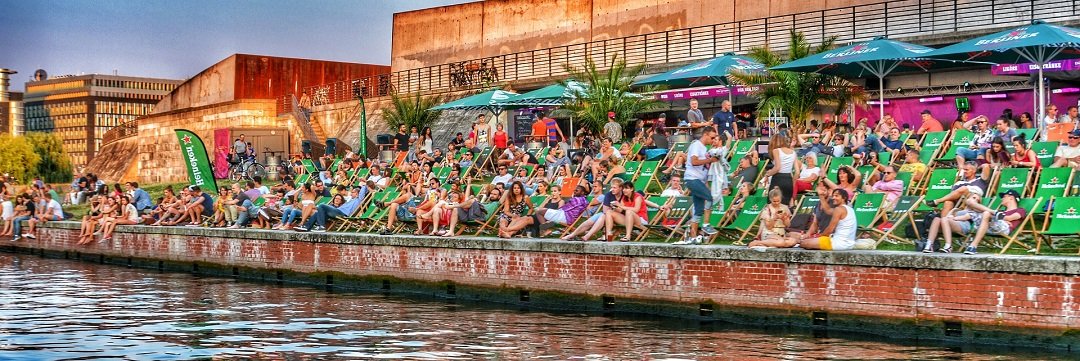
7, 214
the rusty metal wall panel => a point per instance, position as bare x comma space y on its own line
267, 77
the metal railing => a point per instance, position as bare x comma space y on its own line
894, 19
122, 131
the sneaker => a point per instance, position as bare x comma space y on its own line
318, 229
696, 240
999, 216
970, 250
928, 248
682, 242
235, 226
15, 239
708, 230
29, 235
384, 231
945, 249
300, 229
930, 203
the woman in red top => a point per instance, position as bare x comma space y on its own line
630, 212
500, 139
1024, 157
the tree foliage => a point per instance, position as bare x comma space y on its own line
606, 91
412, 110
17, 158
55, 165
798, 94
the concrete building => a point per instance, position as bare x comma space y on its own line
80, 109
11, 108
241, 94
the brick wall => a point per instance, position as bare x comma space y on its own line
1029, 295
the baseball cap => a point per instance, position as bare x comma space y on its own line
925, 111
1075, 133
610, 114
1011, 192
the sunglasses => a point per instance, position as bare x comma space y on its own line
1072, 137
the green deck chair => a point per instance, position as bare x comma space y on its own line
667, 224
646, 175
939, 184
900, 215
868, 211
1012, 178
960, 139
1045, 152
930, 146
834, 166
746, 220
1062, 220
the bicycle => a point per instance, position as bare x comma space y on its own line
246, 169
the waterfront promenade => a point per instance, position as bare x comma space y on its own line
1023, 300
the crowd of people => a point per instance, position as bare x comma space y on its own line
593, 187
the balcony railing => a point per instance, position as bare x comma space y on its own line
894, 19
122, 131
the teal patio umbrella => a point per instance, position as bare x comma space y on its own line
551, 95
1037, 43
714, 71
878, 57
494, 101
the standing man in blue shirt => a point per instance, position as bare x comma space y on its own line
724, 122
140, 198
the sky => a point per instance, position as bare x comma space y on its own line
178, 38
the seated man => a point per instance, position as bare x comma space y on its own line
405, 208
983, 137
997, 223
674, 189
201, 204
959, 222
503, 176
892, 187
1068, 154
971, 183
325, 212
51, 212
567, 212
508, 156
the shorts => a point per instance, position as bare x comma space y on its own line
965, 226
974, 190
1000, 227
596, 217
557, 216
970, 154
403, 213
829, 244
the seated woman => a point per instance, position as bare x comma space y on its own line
128, 216
630, 212
90, 220
808, 174
775, 219
1022, 156
997, 156
515, 205
455, 209
612, 169
109, 211
848, 181
177, 211
598, 208
340, 177
224, 208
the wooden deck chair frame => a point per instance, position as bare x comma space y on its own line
903, 212
679, 211
868, 204
746, 220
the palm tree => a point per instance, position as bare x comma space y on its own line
607, 91
798, 94
412, 110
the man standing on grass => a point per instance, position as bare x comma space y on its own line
697, 174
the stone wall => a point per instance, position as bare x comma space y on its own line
983, 298
159, 159
487, 28
115, 161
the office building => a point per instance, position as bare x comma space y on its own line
11, 109
82, 108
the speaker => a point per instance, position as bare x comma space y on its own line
963, 104
305, 146
383, 139
331, 145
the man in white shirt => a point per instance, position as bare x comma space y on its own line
674, 188
49, 210
1052, 117
503, 177
1068, 154
696, 176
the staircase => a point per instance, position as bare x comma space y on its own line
312, 132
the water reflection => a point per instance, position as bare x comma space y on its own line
56, 309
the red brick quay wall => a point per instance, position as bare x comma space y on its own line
1029, 300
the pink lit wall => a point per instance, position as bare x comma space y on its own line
906, 110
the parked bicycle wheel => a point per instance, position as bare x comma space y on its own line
256, 170
236, 174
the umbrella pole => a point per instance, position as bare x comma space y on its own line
881, 98
1042, 99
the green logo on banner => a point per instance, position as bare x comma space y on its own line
200, 173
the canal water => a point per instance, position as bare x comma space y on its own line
57, 309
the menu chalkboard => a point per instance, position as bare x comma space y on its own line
523, 127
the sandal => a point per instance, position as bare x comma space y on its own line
624, 239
